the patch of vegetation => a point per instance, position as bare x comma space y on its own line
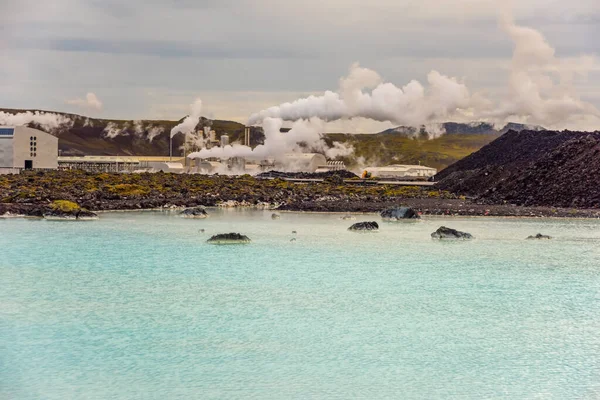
396, 148
65, 206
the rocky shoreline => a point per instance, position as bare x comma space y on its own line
427, 207
33, 194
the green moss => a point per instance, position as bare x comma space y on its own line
65, 206
128, 189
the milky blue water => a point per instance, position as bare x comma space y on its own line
138, 306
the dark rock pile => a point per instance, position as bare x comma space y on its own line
449, 233
344, 174
538, 237
531, 168
229, 238
364, 226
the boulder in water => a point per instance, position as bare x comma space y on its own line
196, 212
364, 226
449, 233
229, 238
539, 236
396, 214
275, 216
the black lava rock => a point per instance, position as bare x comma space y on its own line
449, 233
364, 226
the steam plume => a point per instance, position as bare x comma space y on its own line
412, 104
47, 121
188, 125
304, 136
534, 97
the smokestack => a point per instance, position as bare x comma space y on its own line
224, 140
247, 136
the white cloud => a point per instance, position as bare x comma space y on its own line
90, 102
273, 49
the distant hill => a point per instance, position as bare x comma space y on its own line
532, 168
455, 128
399, 148
92, 136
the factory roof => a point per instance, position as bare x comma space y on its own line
400, 167
96, 159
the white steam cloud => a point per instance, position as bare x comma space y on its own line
46, 120
135, 128
154, 132
540, 92
188, 125
304, 136
90, 102
412, 104
113, 130
540, 84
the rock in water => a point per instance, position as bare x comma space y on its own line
275, 216
395, 214
539, 236
347, 218
364, 226
229, 238
196, 212
449, 233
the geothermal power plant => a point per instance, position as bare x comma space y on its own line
23, 148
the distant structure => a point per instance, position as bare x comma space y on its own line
289, 162
402, 172
27, 148
124, 163
224, 140
247, 136
332, 166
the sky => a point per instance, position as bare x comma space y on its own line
151, 59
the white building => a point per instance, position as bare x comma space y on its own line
397, 171
27, 148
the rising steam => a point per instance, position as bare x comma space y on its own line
304, 136
534, 97
188, 125
48, 121
412, 104
540, 84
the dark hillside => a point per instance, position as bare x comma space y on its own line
91, 136
542, 168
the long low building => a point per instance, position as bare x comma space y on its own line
399, 171
27, 148
123, 163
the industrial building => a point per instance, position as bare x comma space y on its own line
124, 163
27, 148
404, 172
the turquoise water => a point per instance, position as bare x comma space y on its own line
138, 306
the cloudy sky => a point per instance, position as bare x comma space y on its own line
150, 59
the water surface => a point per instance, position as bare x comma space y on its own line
138, 306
